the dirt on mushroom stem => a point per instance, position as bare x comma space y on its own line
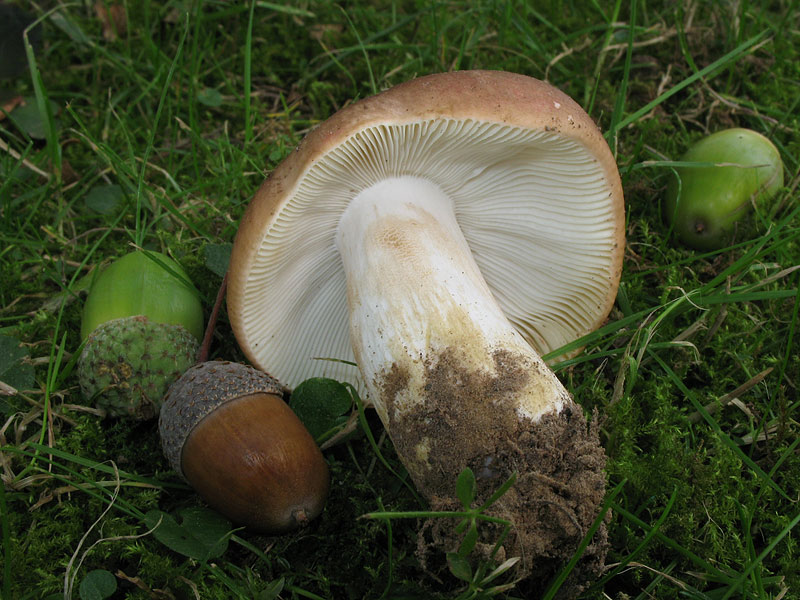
469, 420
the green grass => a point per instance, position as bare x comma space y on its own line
187, 112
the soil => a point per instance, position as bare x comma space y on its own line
469, 419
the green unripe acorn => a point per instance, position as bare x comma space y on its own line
736, 169
142, 322
143, 283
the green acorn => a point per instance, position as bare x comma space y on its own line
142, 322
733, 169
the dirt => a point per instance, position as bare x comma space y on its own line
469, 419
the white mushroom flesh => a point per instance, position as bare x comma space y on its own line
415, 292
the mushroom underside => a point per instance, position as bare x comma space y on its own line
533, 205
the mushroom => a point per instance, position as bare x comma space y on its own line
441, 236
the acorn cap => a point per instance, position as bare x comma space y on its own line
128, 364
198, 392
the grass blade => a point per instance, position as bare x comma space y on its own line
766, 479
728, 58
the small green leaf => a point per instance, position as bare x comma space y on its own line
209, 527
210, 97
202, 534
459, 566
14, 370
29, 119
279, 152
97, 585
217, 257
319, 403
466, 487
469, 541
272, 591
105, 199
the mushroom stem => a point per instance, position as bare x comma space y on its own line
438, 356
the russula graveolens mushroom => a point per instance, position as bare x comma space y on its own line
442, 235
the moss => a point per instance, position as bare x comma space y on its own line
697, 469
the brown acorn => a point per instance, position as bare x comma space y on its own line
226, 429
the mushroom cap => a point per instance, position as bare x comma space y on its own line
535, 189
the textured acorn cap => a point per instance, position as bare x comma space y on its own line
198, 392
127, 364
534, 187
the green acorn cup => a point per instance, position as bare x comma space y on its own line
142, 323
724, 175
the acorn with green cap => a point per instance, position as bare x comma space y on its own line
142, 324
